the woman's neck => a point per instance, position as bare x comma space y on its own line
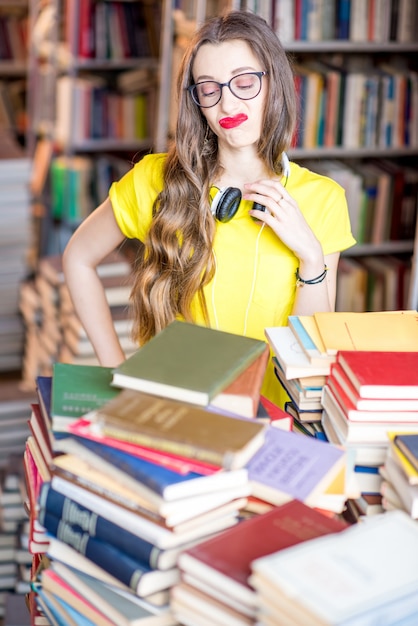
239, 167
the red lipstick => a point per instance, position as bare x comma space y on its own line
232, 122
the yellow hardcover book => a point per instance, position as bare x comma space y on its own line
311, 327
381, 331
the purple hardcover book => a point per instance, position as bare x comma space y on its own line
292, 465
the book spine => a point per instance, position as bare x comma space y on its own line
149, 474
111, 495
54, 505
126, 569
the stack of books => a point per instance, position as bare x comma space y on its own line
301, 378
215, 573
399, 487
138, 476
53, 329
15, 559
14, 428
323, 581
368, 395
15, 245
306, 354
149, 482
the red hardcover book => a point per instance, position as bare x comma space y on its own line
278, 417
370, 403
242, 396
223, 562
382, 374
372, 434
86, 43
39, 431
298, 19
389, 417
38, 541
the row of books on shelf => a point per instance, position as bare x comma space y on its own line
382, 196
113, 30
379, 283
13, 37
80, 183
374, 21
360, 106
13, 114
15, 242
100, 113
139, 503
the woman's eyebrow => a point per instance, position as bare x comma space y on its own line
238, 70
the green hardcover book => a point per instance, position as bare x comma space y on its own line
77, 390
188, 362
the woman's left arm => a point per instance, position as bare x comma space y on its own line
321, 296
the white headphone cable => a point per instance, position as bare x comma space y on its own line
254, 279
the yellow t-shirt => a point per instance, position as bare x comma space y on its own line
254, 284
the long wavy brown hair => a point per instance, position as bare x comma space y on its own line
176, 261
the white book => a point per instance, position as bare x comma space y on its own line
371, 454
285, 20
290, 354
354, 94
363, 575
359, 20
160, 535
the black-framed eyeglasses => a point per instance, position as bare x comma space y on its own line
243, 86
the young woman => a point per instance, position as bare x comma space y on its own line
234, 235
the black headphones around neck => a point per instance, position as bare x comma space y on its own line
227, 200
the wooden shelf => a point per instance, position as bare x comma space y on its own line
349, 47
386, 247
338, 152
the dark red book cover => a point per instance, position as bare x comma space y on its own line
230, 553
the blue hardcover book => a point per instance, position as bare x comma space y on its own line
134, 574
77, 617
43, 391
61, 507
44, 603
343, 19
408, 445
161, 483
119, 605
154, 476
302, 333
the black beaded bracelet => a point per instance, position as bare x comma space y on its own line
312, 281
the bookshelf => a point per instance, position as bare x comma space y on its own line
13, 66
375, 53
383, 53
94, 83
